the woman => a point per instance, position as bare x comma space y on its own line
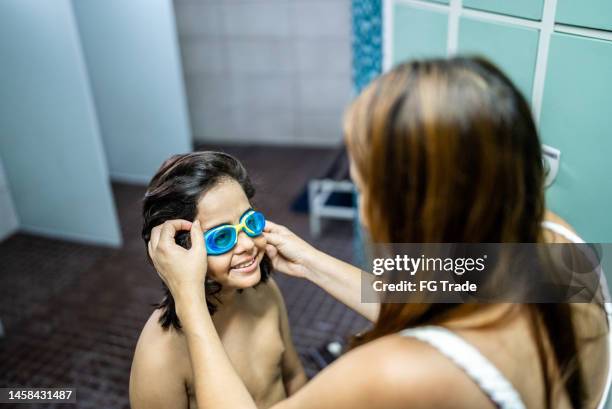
441, 151
245, 304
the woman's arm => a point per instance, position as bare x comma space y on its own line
216, 383
369, 377
362, 379
293, 256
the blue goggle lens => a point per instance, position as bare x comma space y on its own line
256, 222
222, 239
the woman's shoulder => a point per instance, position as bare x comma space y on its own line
395, 371
427, 365
554, 219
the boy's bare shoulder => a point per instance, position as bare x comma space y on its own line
159, 347
160, 368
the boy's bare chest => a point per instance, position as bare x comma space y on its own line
256, 350
255, 347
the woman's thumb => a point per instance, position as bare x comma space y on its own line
197, 237
274, 256
271, 251
274, 239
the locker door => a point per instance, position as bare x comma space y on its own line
531, 9
577, 119
513, 48
586, 13
418, 32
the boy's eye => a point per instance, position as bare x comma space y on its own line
255, 222
251, 223
222, 237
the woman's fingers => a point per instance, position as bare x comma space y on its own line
197, 236
169, 229
274, 228
271, 251
273, 238
177, 267
166, 232
155, 236
278, 262
270, 226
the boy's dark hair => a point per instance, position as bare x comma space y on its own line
174, 192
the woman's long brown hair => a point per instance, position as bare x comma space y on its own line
448, 152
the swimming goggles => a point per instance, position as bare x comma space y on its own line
222, 239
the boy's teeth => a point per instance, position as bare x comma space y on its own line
243, 265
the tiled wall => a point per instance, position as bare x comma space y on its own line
266, 71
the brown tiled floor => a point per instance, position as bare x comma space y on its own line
72, 313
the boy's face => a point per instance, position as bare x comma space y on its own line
239, 267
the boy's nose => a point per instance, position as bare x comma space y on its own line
244, 243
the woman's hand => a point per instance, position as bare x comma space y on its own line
293, 256
184, 272
181, 270
289, 253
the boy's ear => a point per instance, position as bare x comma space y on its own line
183, 239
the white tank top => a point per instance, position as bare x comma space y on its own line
475, 365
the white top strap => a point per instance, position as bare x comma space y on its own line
574, 238
472, 362
571, 236
563, 231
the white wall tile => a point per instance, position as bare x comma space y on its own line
262, 56
266, 71
201, 55
323, 18
324, 93
256, 93
326, 57
206, 91
199, 19
212, 123
270, 127
265, 18
325, 128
